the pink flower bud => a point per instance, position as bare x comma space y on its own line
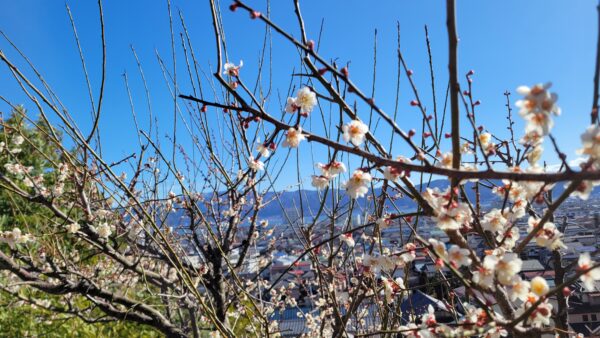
310, 44
255, 15
477, 103
447, 135
471, 72
426, 134
409, 72
414, 103
411, 133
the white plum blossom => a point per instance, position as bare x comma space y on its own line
306, 100
104, 230
445, 160
291, 106
231, 69
347, 239
589, 277
293, 137
484, 139
584, 189
541, 315
438, 247
262, 149
358, 184
320, 181
494, 221
539, 286
548, 236
332, 169
14, 237
18, 140
519, 289
591, 142
508, 267
393, 173
459, 256
73, 227
255, 164
484, 275
450, 214
537, 100
354, 132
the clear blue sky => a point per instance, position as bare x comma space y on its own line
507, 43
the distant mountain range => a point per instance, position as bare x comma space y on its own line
288, 202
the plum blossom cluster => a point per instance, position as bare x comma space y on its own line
328, 172
304, 102
14, 237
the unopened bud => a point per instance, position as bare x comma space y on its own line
426, 134
409, 72
234, 6
322, 71
471, 72
345, 71
204, 109
447, 135
255, 15
478, 102
411, 133
310, 44
414, 103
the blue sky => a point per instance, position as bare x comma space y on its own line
507, 43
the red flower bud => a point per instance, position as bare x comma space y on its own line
322, 71
255, 15
256, 119
426, 134
477, 103
414, 103
471, 72
234, 6
204, 109
371, 101
411, 133
409, 72
345, 71
480, 128
429, 117
466, 92
272, 146
566, 291
351, 89
447, 135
